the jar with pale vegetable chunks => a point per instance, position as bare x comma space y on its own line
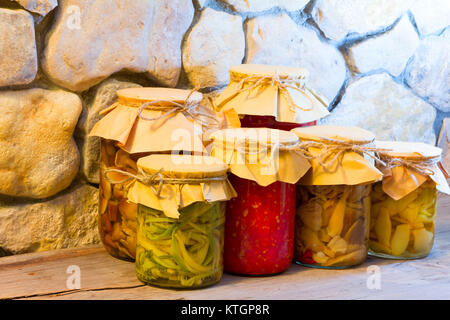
181, 220
332, 225
332, 218
117, 216
404, 203
128, 133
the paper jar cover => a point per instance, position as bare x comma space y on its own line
399, 181
296, 104
350, 168
121, 122
177, 196
245, 151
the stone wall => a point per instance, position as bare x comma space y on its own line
383, 65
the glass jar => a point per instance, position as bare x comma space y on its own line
404, 228
117, 216
288, 126
404, 204
181, 220
184, 253
334, 197
249, 121
332, 225
259, 230
126, 136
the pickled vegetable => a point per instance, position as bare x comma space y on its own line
403, 228
332, 226
117, 216
181, 253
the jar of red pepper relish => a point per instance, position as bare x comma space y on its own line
259, 228
249, 121
272, 97
260, 222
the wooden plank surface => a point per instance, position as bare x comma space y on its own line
44, 276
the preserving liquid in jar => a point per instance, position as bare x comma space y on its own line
184, 253
117, 216
332, 225
403, 229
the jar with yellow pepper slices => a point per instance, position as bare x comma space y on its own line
144, 121
404, 203
181, 220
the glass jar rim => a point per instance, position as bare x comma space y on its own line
183, 166
150, 94
326, 133
263, 70
255, 135
408, 150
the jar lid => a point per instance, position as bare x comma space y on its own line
170, 182
183, 166
141, 130
408, 150
353, 135
262, 70
142, 95
258, 135
262, 155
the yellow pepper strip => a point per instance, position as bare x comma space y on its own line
336, 222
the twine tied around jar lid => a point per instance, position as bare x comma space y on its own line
423, 167
423, 159
190, 109
157, 178
334, 141
332, 149
283, 83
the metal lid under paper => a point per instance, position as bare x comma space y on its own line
408, 166
171, 182
162, 126
281, 92
339, 155
260, 154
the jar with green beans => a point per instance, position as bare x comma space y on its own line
181, 253
180, 220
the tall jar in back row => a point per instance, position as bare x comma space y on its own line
144, 121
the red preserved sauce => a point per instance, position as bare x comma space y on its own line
288, 126
250, 121
259, 228
260, 222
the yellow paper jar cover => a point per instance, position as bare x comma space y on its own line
163, 125
260, 154
339, 155
408, 166
281, 92
171, 182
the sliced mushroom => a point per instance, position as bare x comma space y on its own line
128, 209
123, 160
